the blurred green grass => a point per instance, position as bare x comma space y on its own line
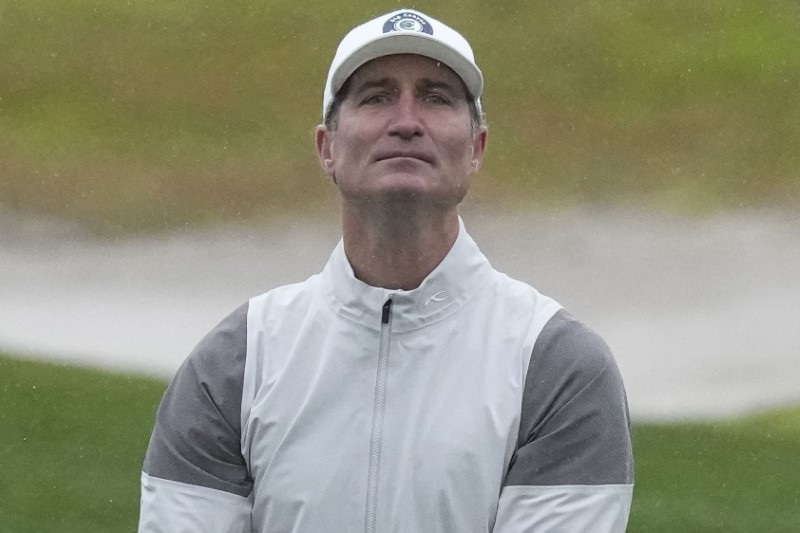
73, 440
144, 115
725, 476
71, 446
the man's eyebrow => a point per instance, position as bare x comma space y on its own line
429, 84
372, 84
434, 84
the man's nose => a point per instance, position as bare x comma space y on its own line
406, 122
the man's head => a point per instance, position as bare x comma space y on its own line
402, 32
402, 113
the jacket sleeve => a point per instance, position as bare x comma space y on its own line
194, 477
572, 470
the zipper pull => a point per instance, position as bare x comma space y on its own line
387, 308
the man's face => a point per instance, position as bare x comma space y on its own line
403, 132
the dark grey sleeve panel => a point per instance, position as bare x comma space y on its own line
197, 434
575, 427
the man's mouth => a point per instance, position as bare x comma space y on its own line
405, 154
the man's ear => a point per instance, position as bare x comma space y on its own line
479, 147
324, 138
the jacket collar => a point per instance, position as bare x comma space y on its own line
461, 274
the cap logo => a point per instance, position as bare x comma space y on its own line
407, 21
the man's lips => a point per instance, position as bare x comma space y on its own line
406, 154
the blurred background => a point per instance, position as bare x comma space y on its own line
157, 169
140, 116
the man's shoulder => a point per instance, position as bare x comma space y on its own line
513, 286
228, 339
570, 360
287, 294
220, 354
564, 344
195, 441
569, 343
522, 299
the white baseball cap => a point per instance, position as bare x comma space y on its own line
403, 32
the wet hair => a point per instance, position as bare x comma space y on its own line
477, 118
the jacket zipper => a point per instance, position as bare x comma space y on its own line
377, 417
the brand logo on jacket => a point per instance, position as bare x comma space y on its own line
438, 297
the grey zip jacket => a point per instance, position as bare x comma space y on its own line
470, 404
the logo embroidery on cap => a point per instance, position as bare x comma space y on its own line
407, 21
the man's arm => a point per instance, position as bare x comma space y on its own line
573, 467
194, 476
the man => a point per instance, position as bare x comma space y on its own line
408, 387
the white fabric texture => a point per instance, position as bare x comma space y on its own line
564, 509
173, 507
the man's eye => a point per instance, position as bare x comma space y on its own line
436, 98
371, 99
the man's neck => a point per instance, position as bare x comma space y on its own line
397, 248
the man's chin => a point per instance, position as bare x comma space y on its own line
403, 184
407, 197
394, 194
